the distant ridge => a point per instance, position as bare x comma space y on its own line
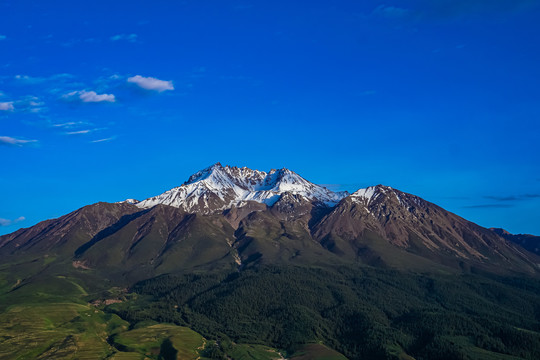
527, 241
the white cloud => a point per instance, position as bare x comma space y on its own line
67, 124
104, 140
150, 83
8, 140
78, 132
127, 37
90, 96
7, 106
35, 103
7, 222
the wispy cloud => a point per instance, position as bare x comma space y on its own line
150, 83
27, 79
512, 197
488, 206
503, 201
126, 37
104, 140
389, 11
3, 37
502, 198
68, 124
7, 222
30, 79
92, 40
530, 196
8, 140
7, 106
442, 10
456, 9
79, 132
89, 96
77, 129
31, 104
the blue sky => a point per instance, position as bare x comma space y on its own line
109, 100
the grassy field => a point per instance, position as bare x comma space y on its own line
149, 340
54, 331
316, 352
45, 313
48, 315
38, 327
253, 352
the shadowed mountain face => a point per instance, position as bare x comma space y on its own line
526, 241
65, 234
226, 218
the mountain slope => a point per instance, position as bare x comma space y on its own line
526, 241
228, 217
68, 232
420, 228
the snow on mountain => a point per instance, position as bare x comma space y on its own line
372, 193
221, 187
366, 194
129, 201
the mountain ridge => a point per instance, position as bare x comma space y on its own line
220, 187
214, 220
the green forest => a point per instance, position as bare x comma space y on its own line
362, 312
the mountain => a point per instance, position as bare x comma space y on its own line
380, 216
248, 258
220, 187
226, 217
526, 241
65, 234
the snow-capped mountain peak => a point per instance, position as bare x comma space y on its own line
381, 195
370, 193
220, 187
